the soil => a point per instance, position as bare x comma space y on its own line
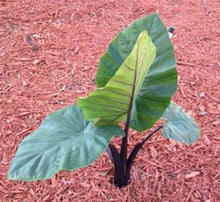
49, 51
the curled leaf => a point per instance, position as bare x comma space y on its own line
112, 103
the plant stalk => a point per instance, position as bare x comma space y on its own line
137, 148
120, 159
122, 164
124, 145
123, 179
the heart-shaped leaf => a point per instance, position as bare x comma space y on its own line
112, 103
160, 82
64, 141
179, 126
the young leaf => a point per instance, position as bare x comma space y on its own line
179, 126
64, 141
111, 104
160, 82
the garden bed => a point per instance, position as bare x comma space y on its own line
49, 52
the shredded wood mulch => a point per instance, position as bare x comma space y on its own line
49, 51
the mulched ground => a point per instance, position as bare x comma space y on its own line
49, 51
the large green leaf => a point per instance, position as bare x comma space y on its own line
161, 80
179, 126
111, 104
64, 141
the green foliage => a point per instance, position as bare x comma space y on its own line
136, 79
111, 103
64, 141
179, 126
160, 82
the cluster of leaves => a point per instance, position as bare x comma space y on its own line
136, 79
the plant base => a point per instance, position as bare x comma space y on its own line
121, 181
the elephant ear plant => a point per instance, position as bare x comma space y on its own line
136, 79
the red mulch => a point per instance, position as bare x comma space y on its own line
49, 52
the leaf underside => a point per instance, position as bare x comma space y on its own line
64, 141
179, 126
160, 82
110, 104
